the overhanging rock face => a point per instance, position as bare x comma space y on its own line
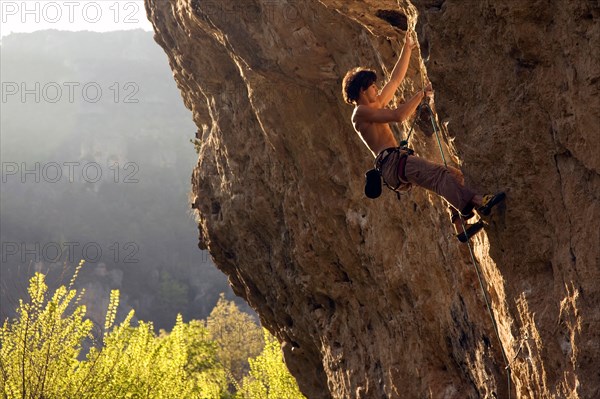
376, 299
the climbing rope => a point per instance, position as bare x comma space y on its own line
487, 304
404, 144
507, 365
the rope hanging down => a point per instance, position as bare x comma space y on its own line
404, 143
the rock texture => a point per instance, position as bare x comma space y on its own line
376, 299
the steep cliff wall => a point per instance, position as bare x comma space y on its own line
376, 299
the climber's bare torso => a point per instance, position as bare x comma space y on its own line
371, 117
377, 136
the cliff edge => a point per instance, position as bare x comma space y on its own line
377, 299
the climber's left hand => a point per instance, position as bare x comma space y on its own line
410, 39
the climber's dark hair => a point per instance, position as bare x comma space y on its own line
357, 79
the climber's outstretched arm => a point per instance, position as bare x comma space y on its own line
384, 115
399, 71
365, 114
406, 109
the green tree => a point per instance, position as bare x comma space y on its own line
43, 356
172, 295
237, 335
269, 377
41, 348
209, 377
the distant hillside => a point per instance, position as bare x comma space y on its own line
99, 121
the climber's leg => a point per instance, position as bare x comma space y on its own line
455, 218
439, 179
458, 175
469, 229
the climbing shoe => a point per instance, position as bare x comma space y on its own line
471, 230
489, 201
455, 216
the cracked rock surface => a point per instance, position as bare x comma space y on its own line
377, 299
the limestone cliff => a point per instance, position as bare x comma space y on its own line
376, 299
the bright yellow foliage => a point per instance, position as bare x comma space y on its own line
51, 351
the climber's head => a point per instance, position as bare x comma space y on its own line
355, 81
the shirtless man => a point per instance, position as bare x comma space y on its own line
398, 168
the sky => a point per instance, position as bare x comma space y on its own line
73, 15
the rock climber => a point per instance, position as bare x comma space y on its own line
397, 166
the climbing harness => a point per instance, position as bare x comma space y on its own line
475, 264
405, 151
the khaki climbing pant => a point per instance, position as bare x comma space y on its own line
429, 175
